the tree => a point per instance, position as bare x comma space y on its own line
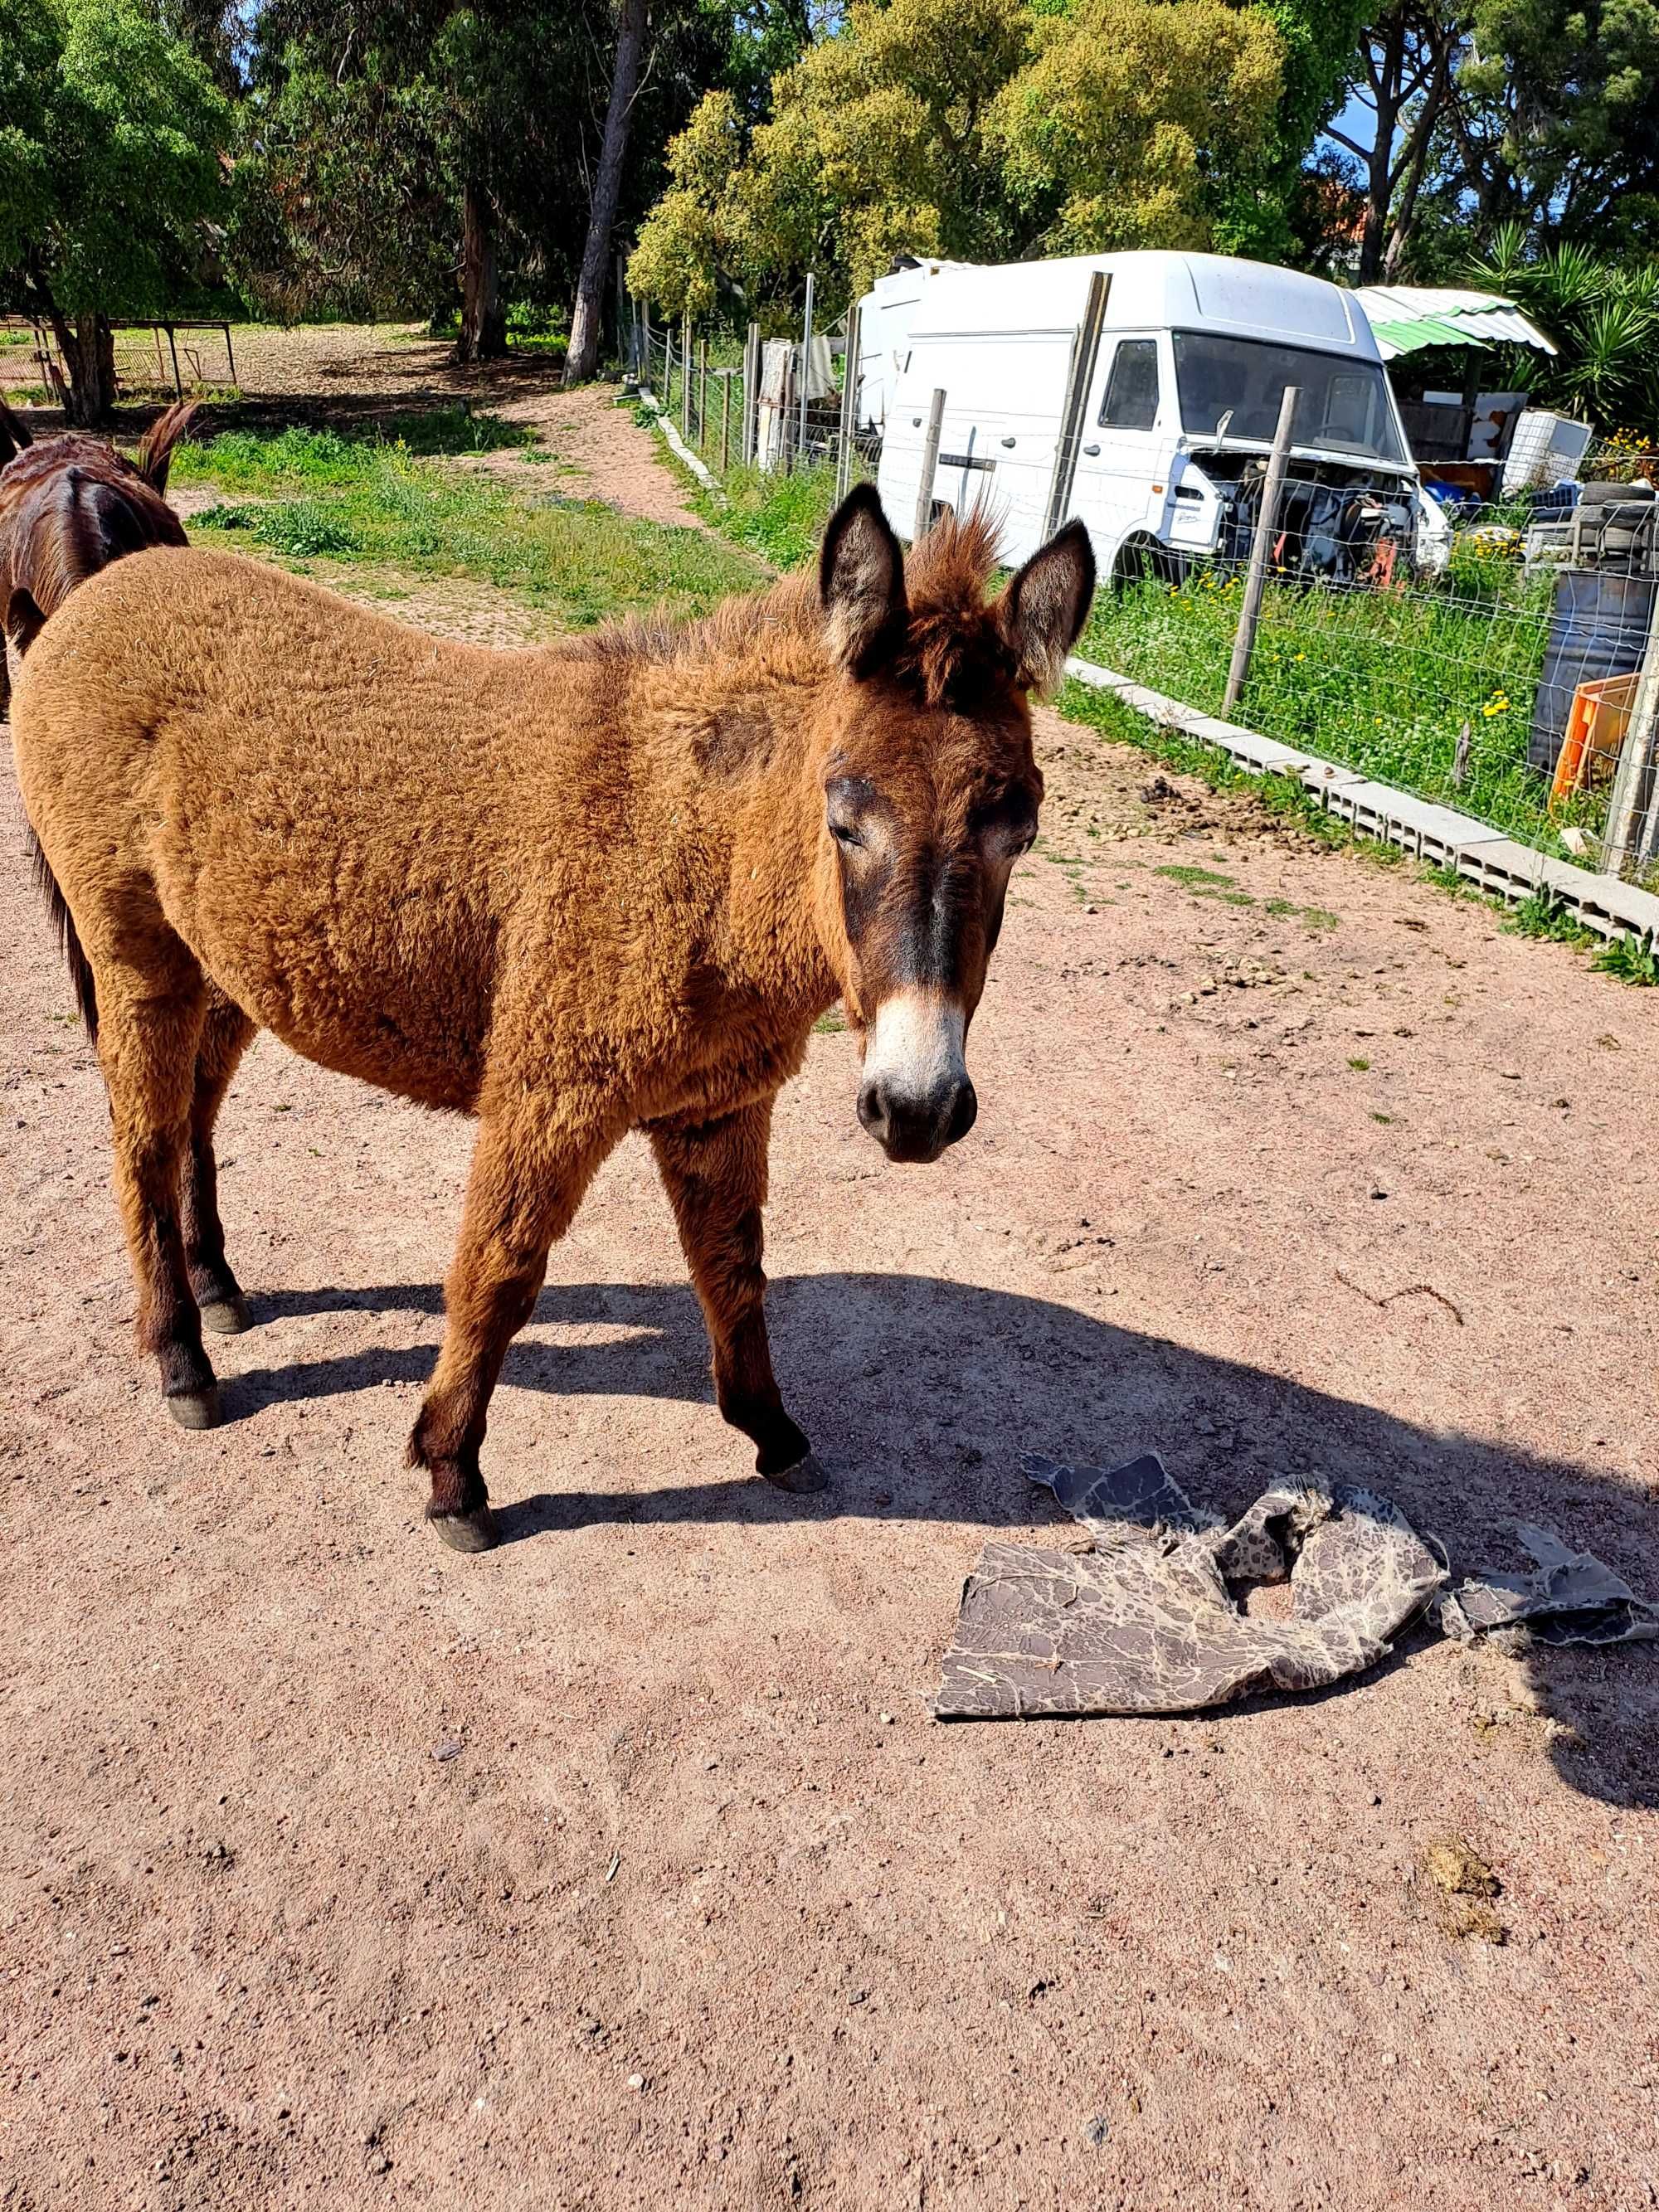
1407, 54
976, 129
584, 352
111, 133
1128, 114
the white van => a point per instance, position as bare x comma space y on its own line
1175, 395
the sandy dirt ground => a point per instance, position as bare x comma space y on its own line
623, 1867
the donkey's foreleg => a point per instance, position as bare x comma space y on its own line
528, 1180
226, 1035
715, 1176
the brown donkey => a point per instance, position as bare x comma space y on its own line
69, 505
603, 885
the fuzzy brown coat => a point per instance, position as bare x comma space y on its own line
571, 891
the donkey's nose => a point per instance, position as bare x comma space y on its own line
909, 1126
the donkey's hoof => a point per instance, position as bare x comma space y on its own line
803, 1479
467, 1532
227, 1316
195, 1409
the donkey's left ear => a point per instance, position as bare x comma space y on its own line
1044, 608
861, 581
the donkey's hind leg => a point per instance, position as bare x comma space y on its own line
151, 1019
227, 1032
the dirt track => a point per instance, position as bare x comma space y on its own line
339, 1871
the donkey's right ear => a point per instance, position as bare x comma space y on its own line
861, 581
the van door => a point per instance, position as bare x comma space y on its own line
1122, 470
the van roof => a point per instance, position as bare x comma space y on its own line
1151, 290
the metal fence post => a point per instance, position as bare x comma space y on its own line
805, 364
849, 385
1631, 812
703, 392
1256, 580
726, 420
929, 463
685, 376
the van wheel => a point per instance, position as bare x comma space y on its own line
1143, 560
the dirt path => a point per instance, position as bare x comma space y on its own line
622, 1868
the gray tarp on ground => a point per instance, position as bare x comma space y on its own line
1142, 1620
1145, 1623
1571, 1599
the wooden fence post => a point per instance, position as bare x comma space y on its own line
703, 392
806, 368
1255, 579
685, 376
929, 465
751, 377
725, 421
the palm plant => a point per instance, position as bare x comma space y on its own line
1601, 315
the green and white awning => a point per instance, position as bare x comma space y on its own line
1406, 318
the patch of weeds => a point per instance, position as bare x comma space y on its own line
300, 528
1190, 878
1632, 959
830, 1024
1360, 1067
1546, 913
1237, 898
1316, 918
1384, 1118
1281, 906
1445, 879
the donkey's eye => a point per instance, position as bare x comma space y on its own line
844, 834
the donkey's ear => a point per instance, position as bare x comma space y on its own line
1044, 608
24, 621
861, 581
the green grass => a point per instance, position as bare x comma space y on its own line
1384, 683
779, 517
302, 459
319, 495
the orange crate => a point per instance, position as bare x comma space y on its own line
1595, 731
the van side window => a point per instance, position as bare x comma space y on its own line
1131, 401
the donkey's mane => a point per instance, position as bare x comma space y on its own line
951, 650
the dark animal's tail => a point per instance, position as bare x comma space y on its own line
86, 995
14, 434
154, 455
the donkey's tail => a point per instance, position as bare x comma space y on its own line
15, 434
79, 968
154, 455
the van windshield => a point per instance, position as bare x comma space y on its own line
1344, 404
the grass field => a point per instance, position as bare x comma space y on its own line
399, 502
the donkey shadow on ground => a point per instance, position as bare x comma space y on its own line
921, 1395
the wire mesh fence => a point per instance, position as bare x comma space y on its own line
1499, 677
777, 405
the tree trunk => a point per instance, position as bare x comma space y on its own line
583, 356
87, 345
483, 319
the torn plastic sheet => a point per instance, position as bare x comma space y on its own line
1571, 1599
1143, 1620
1145, 1623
